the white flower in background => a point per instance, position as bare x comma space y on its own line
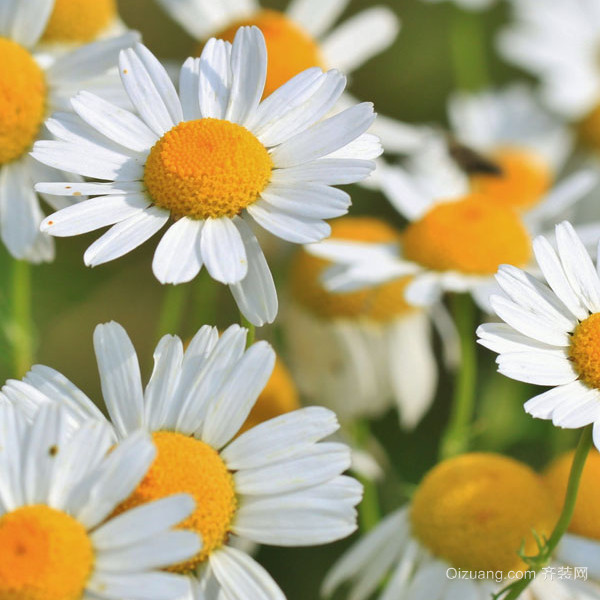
359, 352
32, 85
59, 535
560, 46
551, 334
475, 5
276, 483
304, 36
457, 236
472, 513
211, 159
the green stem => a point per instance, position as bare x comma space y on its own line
22, 322
468, 50
251, 330
456, 438
545, 554
171, 312
369, 514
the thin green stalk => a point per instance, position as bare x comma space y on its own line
251, 330
547, 550
22, 321
369, 513
171, 312
457, 436
468, 50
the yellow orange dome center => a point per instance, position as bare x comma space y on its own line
207, 168
22, 100
524, 181
586, 518
475, 511
79, 21
379, 303
469, 235
290, 49
44, 555
585, 350
186, 465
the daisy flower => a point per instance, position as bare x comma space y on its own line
470, 515
32, 85
474, 5
359, 352
59, 533
551, 331
561, 48
302, 37
210, 159
274, 484
457, 236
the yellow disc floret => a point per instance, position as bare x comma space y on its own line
290, 49
280, 396
79, 21
22, 100
475, 511
380, 303
585, 350
469, 235
207, 168
45, 554
524, 180
586, 518
186, 465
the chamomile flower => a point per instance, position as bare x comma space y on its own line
303, 37
551, 331
470, 514
457, 236
210, 159
274, 484
60, 536
359, 352
31, 86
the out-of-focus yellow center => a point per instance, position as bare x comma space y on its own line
585, 350
475, 511
280, 396
290, 49
586, 518
45, 554
469, 235
207, 168
380, 303
22, 100
524, 180
79, 21
186, 465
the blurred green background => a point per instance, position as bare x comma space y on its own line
411, 82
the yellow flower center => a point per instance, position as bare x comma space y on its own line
44, 555
585, 350
186, 465
475, 511
290, 49
280, 396
207, 168
586, 518
79, 21
470, 235
589, 129
22, 100
380, 303
524, 180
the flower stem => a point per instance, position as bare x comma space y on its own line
457, 435
22, 322
545, 554
171, 312
368, 510
251, 330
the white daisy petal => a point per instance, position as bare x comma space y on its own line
429, 583
223, 250
501, 338
178, 258
310, 200
365, 147
29, 19
138, 586
579, 412
315, 16
543, 405
215, 78
326, 171
120, 377
189, 89
126, 236
78, 189
539, 368
577, 550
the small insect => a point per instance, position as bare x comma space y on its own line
472, 162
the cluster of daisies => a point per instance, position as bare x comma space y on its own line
167, 494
